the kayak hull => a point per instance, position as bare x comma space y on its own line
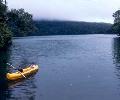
20, 75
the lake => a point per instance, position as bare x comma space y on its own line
72, 67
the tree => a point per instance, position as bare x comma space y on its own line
13, 23
116, 16
5, 33
3, 12
20, 22
116, 25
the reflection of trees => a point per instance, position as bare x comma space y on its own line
116, 55
4, 92
26, 89
116, 51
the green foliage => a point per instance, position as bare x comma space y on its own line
116, 25
116, 28
116, 16
3, 12
16, 22
20, 22
5, 34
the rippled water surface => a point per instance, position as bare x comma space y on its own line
82, 67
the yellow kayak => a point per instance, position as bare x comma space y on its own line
22, 74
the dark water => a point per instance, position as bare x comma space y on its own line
83, 67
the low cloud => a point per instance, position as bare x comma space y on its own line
77, 10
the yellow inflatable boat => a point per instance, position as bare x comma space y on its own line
22, 74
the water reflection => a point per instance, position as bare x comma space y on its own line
116, 54
4, 91
23, 89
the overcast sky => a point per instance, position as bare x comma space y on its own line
76, 10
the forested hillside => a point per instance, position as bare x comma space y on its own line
70, 28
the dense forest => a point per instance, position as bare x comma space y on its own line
11, 22
70, 28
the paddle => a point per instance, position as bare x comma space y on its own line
18, 70
22, 74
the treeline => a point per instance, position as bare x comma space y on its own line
70, 28
13, 23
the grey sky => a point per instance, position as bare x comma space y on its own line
77, 10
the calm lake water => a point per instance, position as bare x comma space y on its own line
81, 67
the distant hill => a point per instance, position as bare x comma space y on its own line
70, 28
